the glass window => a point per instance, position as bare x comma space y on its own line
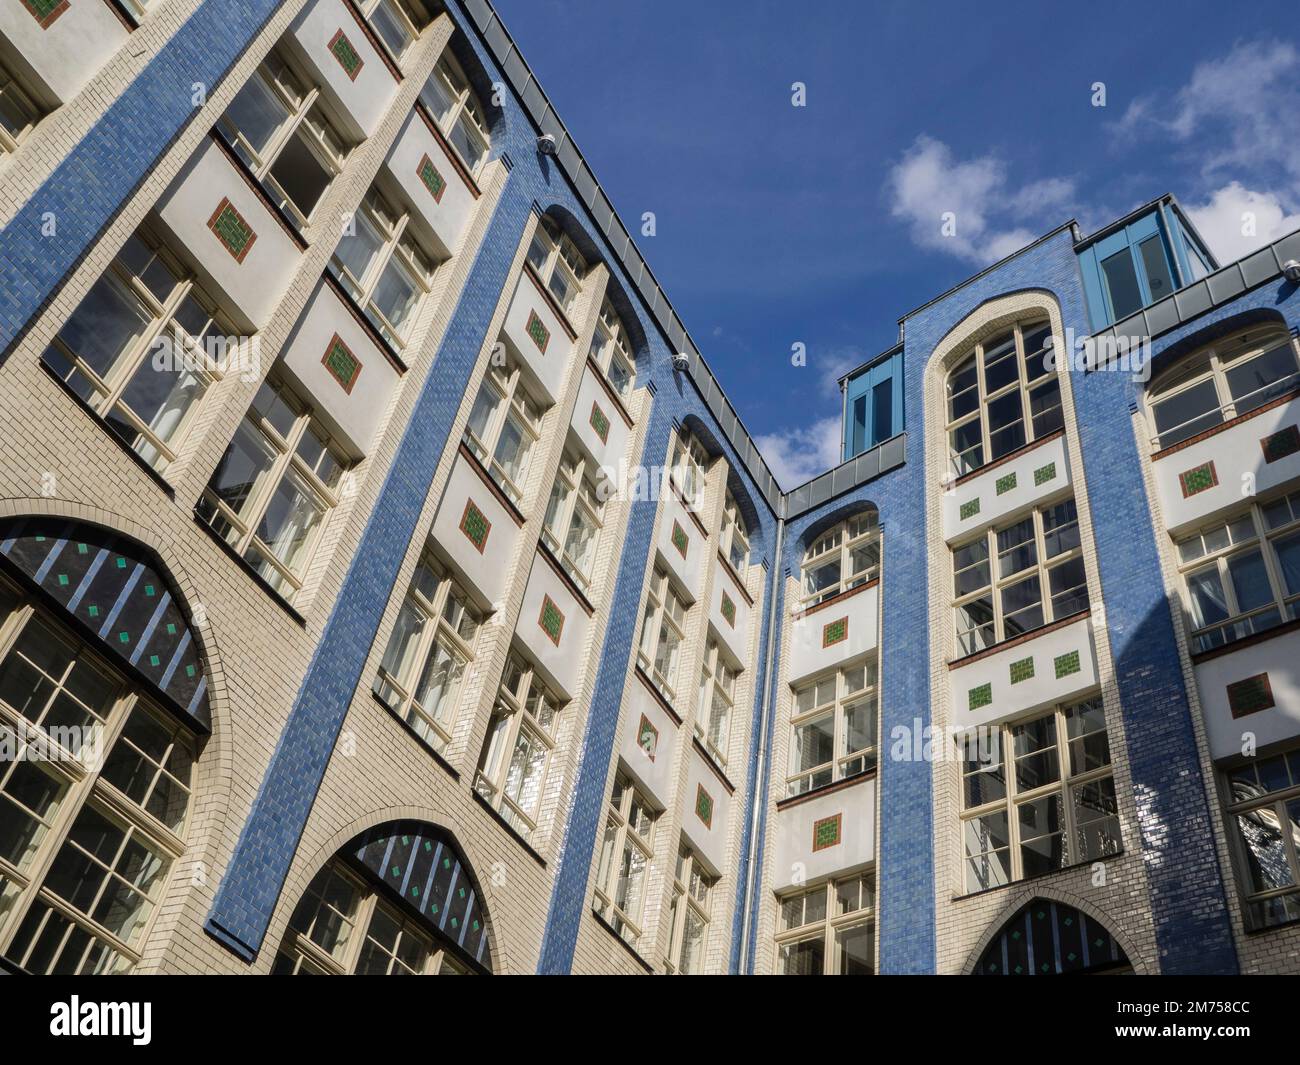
828, 930
834, 722
733, 541
428, 654
717, 701
275, 486
520, 740
557, 262
662, 630
842, 559
396, 23
612, 350
504, 424
457, 111
1001, 396
1037, 796
626, 852
689, 465
574, 515
19, 112
688, 914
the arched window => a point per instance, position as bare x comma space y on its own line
557, 262
1001, 396
399, 900
98, 747
842, 558
1047, 938
460, 116
612, 351
733, 540
1230, 377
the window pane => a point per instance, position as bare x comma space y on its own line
855, 950
301, 176
805, 958
1122, 283
1263, 377
1159, 280
1265, 852
1187, 413
1096, 816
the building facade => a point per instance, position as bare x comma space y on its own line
387, 585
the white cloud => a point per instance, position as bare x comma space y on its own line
799, 454
1236, 221
991, 217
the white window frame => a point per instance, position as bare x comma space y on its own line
15, 94
663, 620
983, 396
630, 830
1015, 799
967, 640
689, 466
450, 623
512, 404
396, 10
558, 263
856, 890
691, 899
1212, 364
463, 111
733, 538
612, 351
856, 543
1250, 794
306, 113
399, 248
160, 322
525, 720
287, 466
86, 785
575, 502
843, 696
713, 716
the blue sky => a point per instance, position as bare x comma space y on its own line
820, 224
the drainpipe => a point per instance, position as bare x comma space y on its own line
760, 776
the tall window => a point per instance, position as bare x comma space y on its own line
845, 557
688, 914
458, 112
273, 489
1231, 377
834, 724
558, 263
625, 854
384, 267
431, 647
397, 22
503, 427
343, 927
1242, 575
520, 739
574, 515
733, 540
828, 930
1001, 396
280, 128
142, 349
1036, 576
18, 112
1039, 796
717, 700
688, 466
612, 350
86, 846
1263, 799
661, 633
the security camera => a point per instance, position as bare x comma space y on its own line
547, 145
1291, 271
681, 362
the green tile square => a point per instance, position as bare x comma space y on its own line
1022, 670
1067, 664
1044, 474
980, 697
1003, 485
969, 509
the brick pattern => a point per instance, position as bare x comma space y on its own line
346, 53
536, 329
1022, 670
1250, 696
1198, 479
834, 632
647, 737
1282, 444
599, 422
432, 179
1005, 484
979, 697
826, 832
969, 509
551, 620
1044, 474
475, 525
229, 227
1066, 665
727, 608
680, 540
46, 11
704, 806
342, 363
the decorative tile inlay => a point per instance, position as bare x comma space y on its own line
551, 620
1022, 670
1003, 485
433, 181
600, 423
980, 697
647, 737
475, 526
349, 59
1251, 695
827, 832
343, 366
536, 329
1198, 479
969, 509
680, 540
834, 632
1281, 444
728, 610
1044, 474
46, 11
704, 806
230, 228
1067, 664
